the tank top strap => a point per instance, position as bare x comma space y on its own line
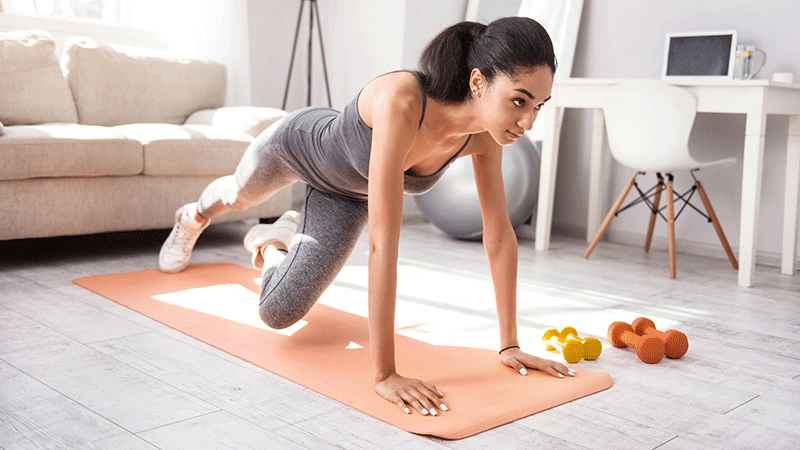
421, 89
424, 95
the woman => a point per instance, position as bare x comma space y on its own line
479, 87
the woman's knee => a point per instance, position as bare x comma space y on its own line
278, 317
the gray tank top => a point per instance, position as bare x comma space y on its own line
331, 150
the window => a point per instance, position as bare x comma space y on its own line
103, 10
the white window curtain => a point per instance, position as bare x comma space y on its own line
214, 29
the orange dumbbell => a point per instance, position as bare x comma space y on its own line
649, 349
675, 343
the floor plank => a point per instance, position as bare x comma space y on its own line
217, 430
34, 414
597, 430
97, 382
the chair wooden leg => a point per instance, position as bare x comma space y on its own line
671, 227
609, 216
717, 226
654, 214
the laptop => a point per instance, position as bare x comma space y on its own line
700, 55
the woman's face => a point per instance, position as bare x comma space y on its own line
508, 106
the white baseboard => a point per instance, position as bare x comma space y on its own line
763, 258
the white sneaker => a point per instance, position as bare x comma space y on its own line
281, 232
177, 249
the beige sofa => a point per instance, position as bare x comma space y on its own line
113, 138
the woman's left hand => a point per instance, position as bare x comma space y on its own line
521, 361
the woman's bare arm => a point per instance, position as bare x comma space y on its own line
500, 243
394, 113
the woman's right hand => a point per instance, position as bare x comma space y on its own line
402, 391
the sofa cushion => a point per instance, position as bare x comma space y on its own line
102, 204
116, 85
188, 150
250, 120
67, 150
32, 87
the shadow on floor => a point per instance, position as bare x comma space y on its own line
66, 249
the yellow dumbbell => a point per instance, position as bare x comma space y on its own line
570, 349
592, 347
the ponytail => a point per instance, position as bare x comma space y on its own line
509, 45
444, 62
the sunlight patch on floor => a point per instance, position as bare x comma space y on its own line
232, 302
447, 306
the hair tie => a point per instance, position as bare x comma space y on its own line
507, 348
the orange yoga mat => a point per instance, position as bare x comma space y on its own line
328, 351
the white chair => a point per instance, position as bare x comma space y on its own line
648, 129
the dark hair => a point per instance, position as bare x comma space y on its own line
510, 45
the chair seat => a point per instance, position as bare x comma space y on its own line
677, 165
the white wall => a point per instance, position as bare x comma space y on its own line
62, 29
625, 39
362, 39
618, 39
200, 32
424, 20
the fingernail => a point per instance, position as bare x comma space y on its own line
406, 410
424, 412
433, 412
440, 392
571, 372
523, 371
560, 376
443, 407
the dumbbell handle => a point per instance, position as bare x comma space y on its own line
630, 339
556, 342
648, 348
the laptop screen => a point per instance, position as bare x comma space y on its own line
700, 55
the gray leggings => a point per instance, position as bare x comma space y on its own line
327, 231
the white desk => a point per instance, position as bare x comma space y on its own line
755, 98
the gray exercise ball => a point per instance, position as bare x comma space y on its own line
452, 205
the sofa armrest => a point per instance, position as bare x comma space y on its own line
250, 120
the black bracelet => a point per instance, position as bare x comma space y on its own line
513, 346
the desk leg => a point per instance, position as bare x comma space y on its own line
547, 176
752, 163
596, 184
791, 197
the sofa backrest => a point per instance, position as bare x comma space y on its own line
32, 87
115, 85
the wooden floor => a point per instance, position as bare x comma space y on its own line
80, 372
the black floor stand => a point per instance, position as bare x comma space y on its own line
312, 10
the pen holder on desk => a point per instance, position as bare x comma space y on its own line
743, 68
